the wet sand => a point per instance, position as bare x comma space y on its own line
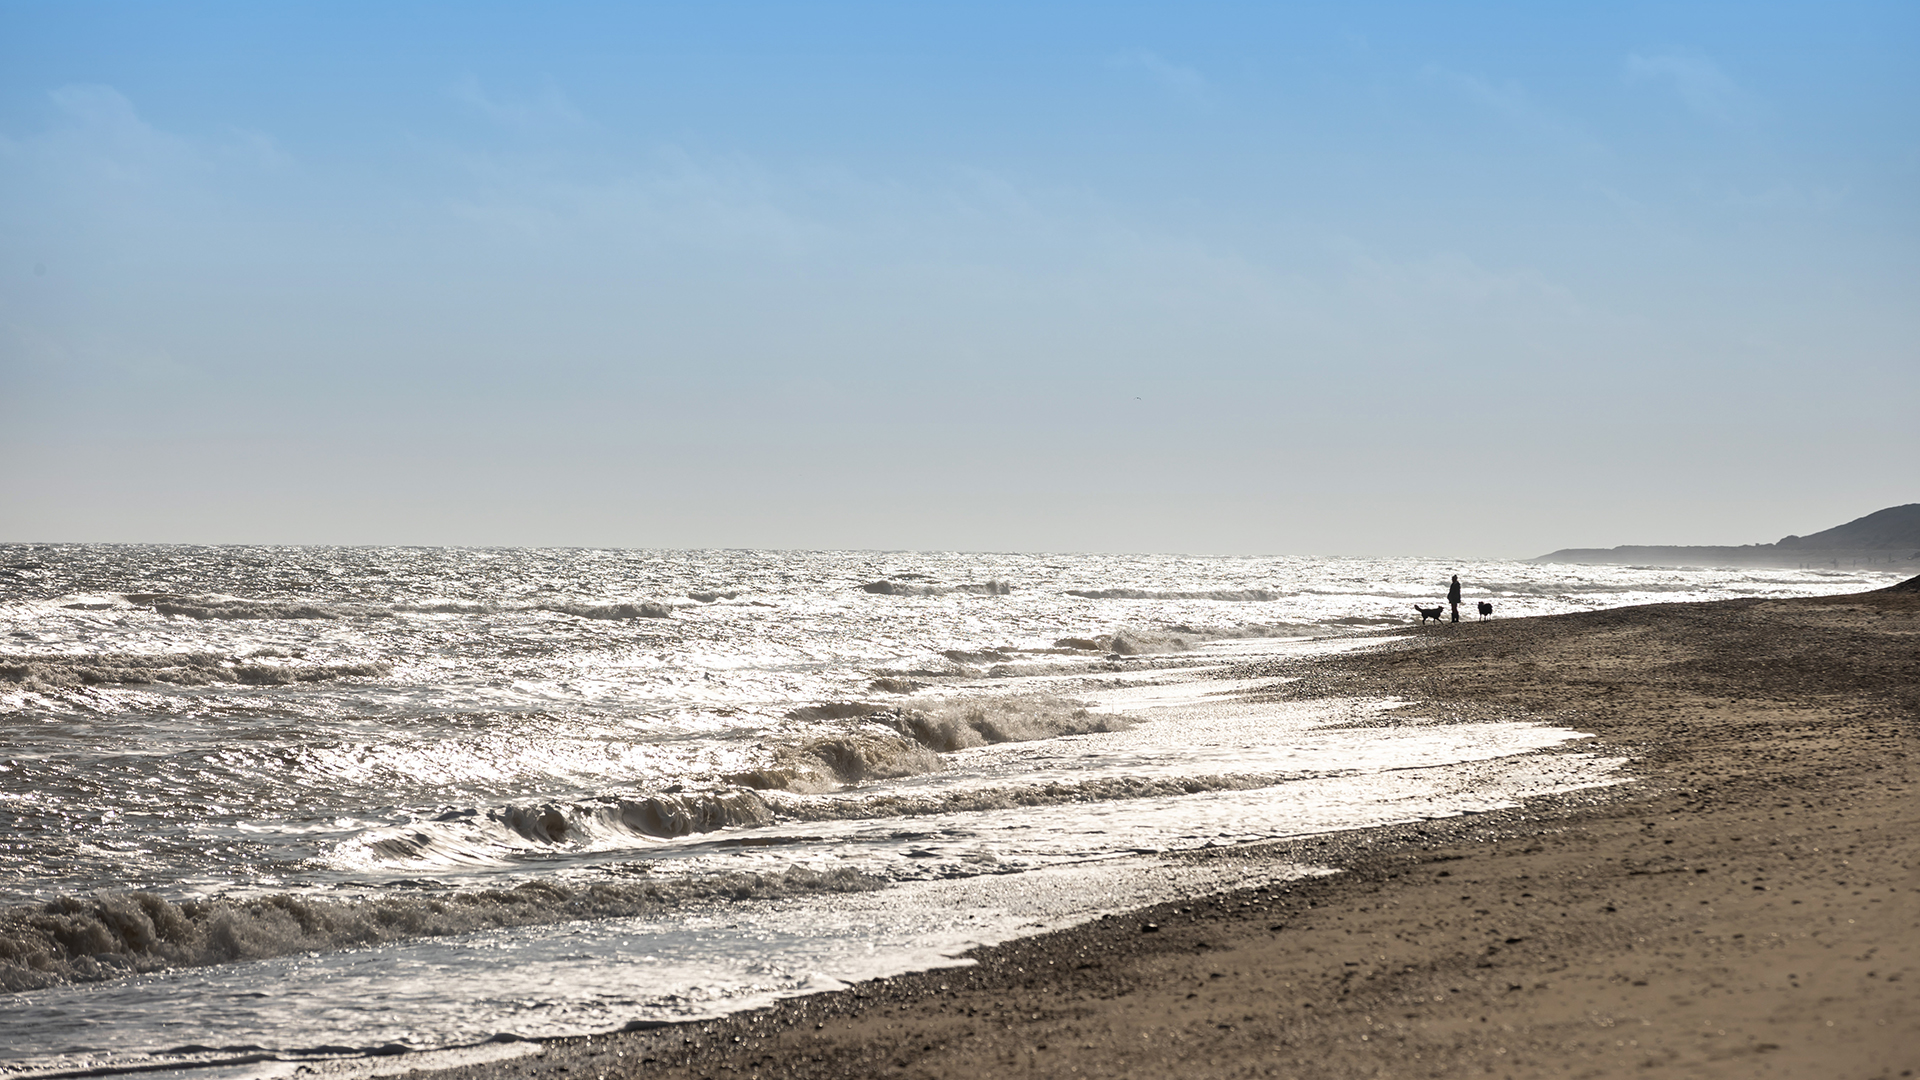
1749, 906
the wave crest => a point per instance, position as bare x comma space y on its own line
234, 607
834, 761
88, 939
53, 673
650, 609
209, 607
900, 804
967, 722
914, 588
1131, 642
1232, 595
494, 836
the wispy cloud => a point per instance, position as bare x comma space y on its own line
1179, 81
1451, 280
1510, 101
1707, 91
547, 111
672, 199
98, 133
97, 139
259, 148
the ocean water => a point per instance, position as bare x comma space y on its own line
265, 806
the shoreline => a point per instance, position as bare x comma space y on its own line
1750, 905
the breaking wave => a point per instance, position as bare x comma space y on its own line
1132, 642
961, 723
233, 607
913, 588
651, 609
108, 935
837, 710
448, 607
1236, 595
978, 656
52, 673
1015, 797
830, 762
477, 836
893, 741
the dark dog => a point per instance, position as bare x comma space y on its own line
1426, 613
1486, 609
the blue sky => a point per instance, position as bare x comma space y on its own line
1467, 279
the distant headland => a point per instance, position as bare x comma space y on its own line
1889, 537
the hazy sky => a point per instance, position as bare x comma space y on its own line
1449, 279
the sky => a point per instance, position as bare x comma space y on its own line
1456, 279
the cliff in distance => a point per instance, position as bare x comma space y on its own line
1889, 537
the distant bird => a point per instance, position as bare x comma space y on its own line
1486, 609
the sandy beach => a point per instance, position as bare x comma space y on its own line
1748, 906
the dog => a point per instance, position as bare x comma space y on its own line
1486, 609
1426, 613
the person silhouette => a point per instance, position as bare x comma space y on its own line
1453, 597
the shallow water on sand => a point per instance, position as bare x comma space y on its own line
302, 798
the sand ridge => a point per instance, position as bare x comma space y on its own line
1749, 907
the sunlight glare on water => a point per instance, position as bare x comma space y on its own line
293, 797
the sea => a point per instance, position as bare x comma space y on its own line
266, 807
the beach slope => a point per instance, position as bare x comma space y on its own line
1749, 906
